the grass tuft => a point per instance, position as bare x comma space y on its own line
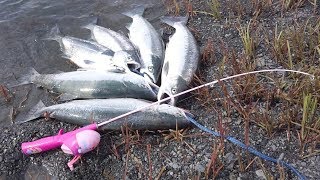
291, 4
214, 6
247, 40
309, 119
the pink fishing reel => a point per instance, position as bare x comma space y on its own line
76, 142
80, 143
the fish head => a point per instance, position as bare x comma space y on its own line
171, 87
152, 68
126, 58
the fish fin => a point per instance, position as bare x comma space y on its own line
136, 11
88, 62
26, 79
122, 33
94, 20
65, 56
154, 87
147, 76
161, 32
165, 69
137, 72
108, 52
34, 113
92, 38
172, 20
128, 27
67, 97
116, 69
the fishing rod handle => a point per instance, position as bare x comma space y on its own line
52, 142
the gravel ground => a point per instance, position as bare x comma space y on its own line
157, 155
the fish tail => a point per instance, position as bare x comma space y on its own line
27, 78
34, 113
91, 24
55, 34
136, 11
172, 20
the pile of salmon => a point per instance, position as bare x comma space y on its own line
118, 74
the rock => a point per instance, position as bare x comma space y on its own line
199, 168
232, 176
261, 62
230, 160
303, 164
260, 174
174, 165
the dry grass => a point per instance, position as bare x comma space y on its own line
291, 4
248, 41
215, 164
257, 98
276, 103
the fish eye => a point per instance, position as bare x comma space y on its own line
130, 58
174, 90
150, 68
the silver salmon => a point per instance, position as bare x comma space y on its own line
149, 42
181, 59
83, 112
85, 54
91, 84
114, 41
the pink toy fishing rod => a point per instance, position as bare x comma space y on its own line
87, 138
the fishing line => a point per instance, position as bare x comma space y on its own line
229, 138
248, 148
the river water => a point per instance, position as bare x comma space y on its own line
25, 23
23, 26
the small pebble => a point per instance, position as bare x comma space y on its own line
260, 174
